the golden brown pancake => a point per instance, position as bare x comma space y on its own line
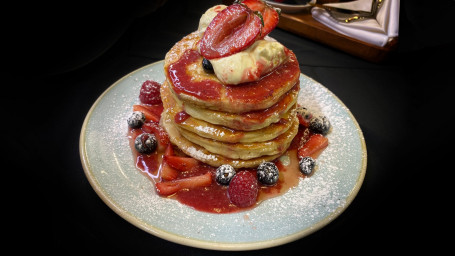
247, 121
222, 133
245, 151
203, 155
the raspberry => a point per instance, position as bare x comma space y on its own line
243, 189
150, 92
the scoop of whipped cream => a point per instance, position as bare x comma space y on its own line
248, 65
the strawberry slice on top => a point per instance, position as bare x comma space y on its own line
233, 29
269, 15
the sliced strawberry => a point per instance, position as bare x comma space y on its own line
181, 163
313, 147
151, 112
166, 188
169, 150
269, 15
150, 92
156, 109
234, 29
160, 133
168, 172
271, 19
303, 121
243, 189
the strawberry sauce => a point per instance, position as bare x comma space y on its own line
183, 83
181, 116
214, 198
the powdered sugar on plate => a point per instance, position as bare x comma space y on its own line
318, 199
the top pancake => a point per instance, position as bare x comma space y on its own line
192, 84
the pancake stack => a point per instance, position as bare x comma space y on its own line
242, 125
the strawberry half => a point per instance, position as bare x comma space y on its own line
168, 172
269, 15
166, 188
243, 189
232, 30
313, 147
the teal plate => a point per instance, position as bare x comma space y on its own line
110, 168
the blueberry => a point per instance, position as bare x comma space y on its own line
136, 119
207, 65
145, 143
306, 165
320, 124
224, 174
268, 173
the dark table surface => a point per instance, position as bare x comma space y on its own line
77, 51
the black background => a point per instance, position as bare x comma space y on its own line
66, 54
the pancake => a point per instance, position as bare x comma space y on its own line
247, 121
201, 154
245, 151
193, 85
221, 133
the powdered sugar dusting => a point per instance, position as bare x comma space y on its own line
314, 202
325, 194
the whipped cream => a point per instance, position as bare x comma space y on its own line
248, 65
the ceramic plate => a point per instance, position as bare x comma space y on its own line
109, 166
